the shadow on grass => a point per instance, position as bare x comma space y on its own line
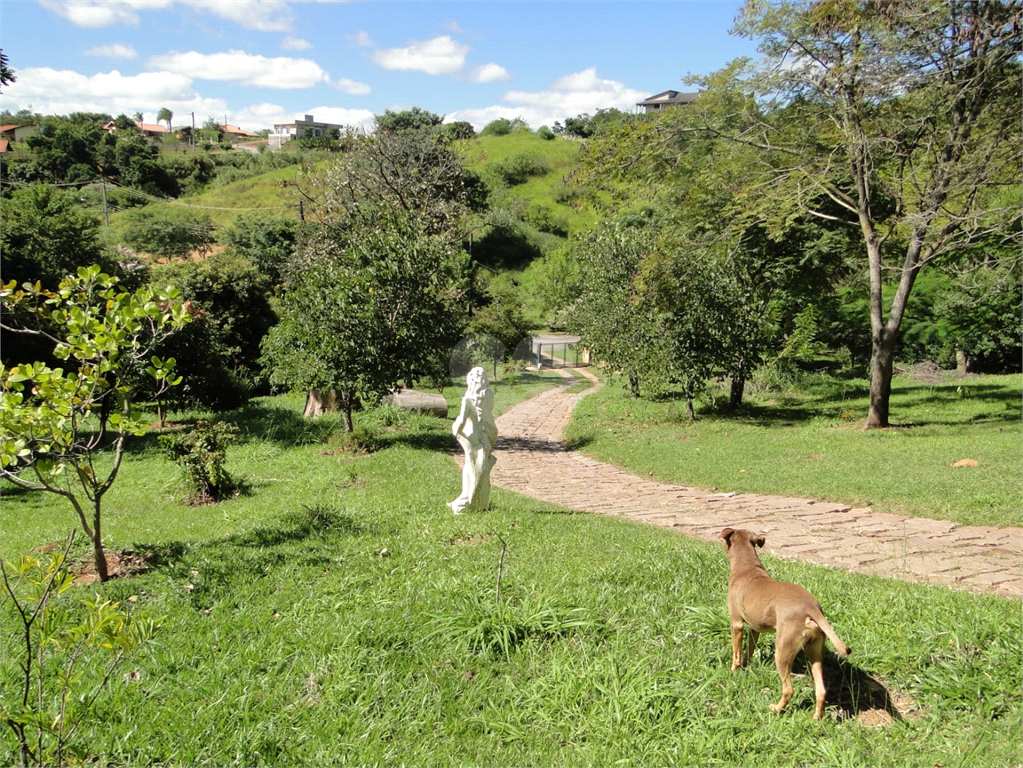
854, 691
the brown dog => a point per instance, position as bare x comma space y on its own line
775, 606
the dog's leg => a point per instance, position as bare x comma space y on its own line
815, 655
737, 628
751, 646
785, 649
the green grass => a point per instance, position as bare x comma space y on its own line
812, 445
336, 613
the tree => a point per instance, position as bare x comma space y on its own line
168, 231
64, 151
905, 116
367, 307
6, 73
414, 119
267, 241
137, 117
64, 429
165, 114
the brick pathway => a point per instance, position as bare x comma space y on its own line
532, 461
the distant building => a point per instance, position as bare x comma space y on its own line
18, 132
234, 132
151, 130
300, 129
667, 99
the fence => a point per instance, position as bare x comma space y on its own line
559, 354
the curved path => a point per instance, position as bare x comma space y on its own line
533, 461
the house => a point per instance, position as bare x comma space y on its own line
17, 132
234, 132
300, 129
5, 146
150, 130
667, 99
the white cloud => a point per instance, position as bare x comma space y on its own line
295, 44
566, 97
115, 51
263, 15
489, 73
363, 39
259, 116
245, 68
352, 87
439, 56
102, 13
60, 92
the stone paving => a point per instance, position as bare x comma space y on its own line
533, 461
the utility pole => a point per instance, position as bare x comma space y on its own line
301, 211
106, 214
193, 132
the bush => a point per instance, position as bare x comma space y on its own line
267, 241
502, 126
168, 231
201, 453
520, 168
546, 220
545, 133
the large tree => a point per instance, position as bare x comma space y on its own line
367, 307
904, 117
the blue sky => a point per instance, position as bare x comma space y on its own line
263, 61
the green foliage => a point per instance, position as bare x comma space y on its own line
981, 310
414, 119
584, 126
44, 235
65, 151
368, 307
56, 423
520, 168
201, 453
546, 220
460, 130
502, 126
546, 133
168, 231
56, 647
267, 241
500, 317
218, 353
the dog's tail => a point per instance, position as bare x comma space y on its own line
840, 648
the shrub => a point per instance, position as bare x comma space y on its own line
201, 453
267, 241
502, 126
520, 168
545, 133
546, 220
168, 231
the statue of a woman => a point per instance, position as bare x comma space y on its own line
476, 432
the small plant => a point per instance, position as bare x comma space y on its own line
357, 442
56, 647
201, 453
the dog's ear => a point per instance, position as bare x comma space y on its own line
759, 541
727, 536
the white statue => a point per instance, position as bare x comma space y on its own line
476, 432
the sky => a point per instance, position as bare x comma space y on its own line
253, 63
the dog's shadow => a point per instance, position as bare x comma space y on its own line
853, 691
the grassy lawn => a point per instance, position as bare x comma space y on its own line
336, 613
811, 444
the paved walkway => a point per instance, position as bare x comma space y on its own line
532, 461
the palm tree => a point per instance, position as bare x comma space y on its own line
165, 114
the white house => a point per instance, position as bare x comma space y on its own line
300, 129
666, 99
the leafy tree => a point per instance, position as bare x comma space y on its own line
502, 126
458, 131
44, 235
64, 430
982, 312
414, 119
64, 151
411, 171
134, 160
168, 231
545, 133
367, 307
267, 241
905, 116
218, 353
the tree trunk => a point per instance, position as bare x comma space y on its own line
736, 391
690, 411
98, 555
633, 384
882, 360
962, 361
319, 402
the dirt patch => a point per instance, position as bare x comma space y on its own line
929, 372
120, 565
